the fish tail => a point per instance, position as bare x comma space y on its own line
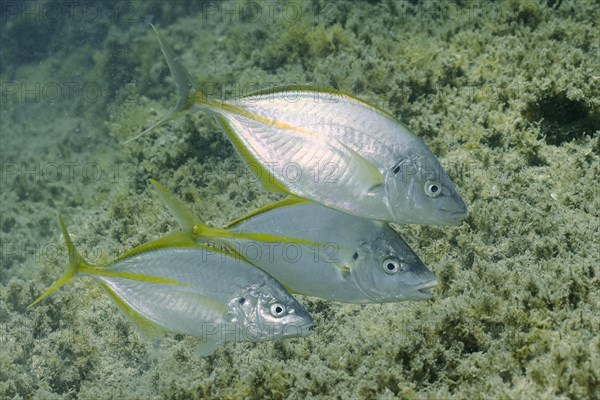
187, 221
191, 227
76, 264
186, 88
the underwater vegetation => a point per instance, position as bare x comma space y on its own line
505, 95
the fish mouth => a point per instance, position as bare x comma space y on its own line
462, 213
458, 210
412, 293
451, 218
453, 211
301, 329
422, 291
306, 330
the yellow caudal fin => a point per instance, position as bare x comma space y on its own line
76, 262
77, 265
187, 221
186, 88
193, 229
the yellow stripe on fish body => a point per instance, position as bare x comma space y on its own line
330, 148
175, 285
318, 251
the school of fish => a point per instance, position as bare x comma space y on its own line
355, 169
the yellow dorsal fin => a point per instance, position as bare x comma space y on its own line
319, 91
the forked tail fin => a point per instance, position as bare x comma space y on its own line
194, 229
77, 265
187, 221
186, 88
76, 262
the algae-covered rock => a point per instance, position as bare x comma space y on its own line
504, 93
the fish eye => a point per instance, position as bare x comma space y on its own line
433, 188
391, 266
277, 310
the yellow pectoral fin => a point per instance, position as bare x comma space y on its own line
318, 253
368, 173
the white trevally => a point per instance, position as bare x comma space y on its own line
173, 285
318, 251
331, 148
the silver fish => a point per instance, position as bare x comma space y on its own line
173, 285
331, 148
318, 251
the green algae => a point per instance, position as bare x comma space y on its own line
505, 94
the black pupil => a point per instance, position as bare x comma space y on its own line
433, 188
354, 256
391, 267
278, 310
242, 300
